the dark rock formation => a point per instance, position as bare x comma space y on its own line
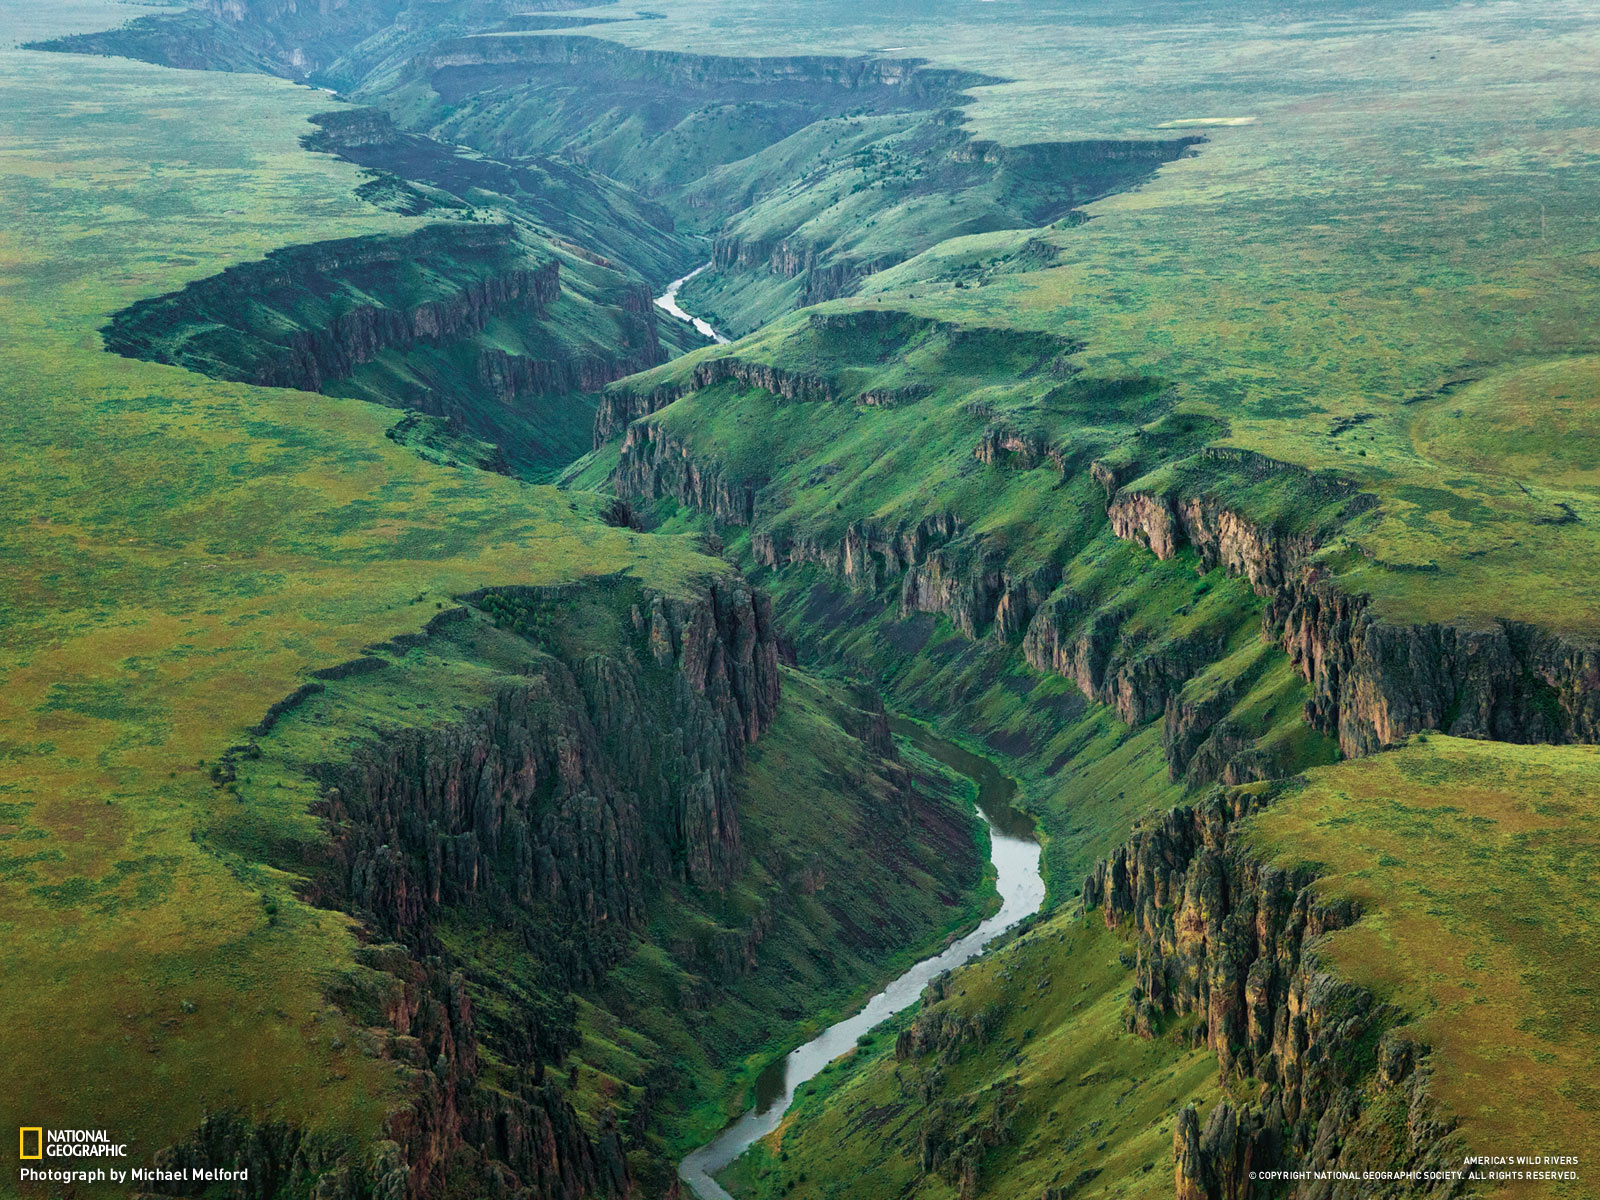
1376, 682
826, 276
1215, 1163
1229, 942
621, 406
784, 384
654, 465
1024, 449
551, 814
1087, 645
227, 339
509, 377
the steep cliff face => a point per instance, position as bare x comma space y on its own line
1089, 647
784, 384
553, 813
619, 407
1375, 682
324, 320
827, 275
1003, 444
868, 556
570, 793
1219, 534
510, 377
1229, 943
935, 565
655, 465
315, 357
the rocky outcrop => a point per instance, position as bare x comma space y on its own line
621, 406
1136, 675
654, 465
1004, 445
281, 1159
1376, 682
315, 357
1228, 942
866, 556
1219, 535
552, 813
781, 383
1215, 1163
945, 1031
572, 791
826, 277
893, 397
1111, 476
512, 376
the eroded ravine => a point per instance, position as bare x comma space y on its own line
1015, 853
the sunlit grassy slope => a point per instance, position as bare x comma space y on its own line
1475, 866
1054, 1094
177, 553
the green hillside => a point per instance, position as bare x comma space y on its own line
446, 746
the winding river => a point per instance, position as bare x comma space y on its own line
668, 302
1015, 854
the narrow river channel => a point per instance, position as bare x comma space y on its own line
668, 302
1015, 854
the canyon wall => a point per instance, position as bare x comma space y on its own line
288, 321
551, 814
1228, 943
1374, 681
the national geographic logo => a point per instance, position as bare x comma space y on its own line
37, 1143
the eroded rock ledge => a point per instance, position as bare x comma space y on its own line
1376, 682
1229, 943
1373, 682
219, 333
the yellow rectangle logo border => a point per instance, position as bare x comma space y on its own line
22, 1141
